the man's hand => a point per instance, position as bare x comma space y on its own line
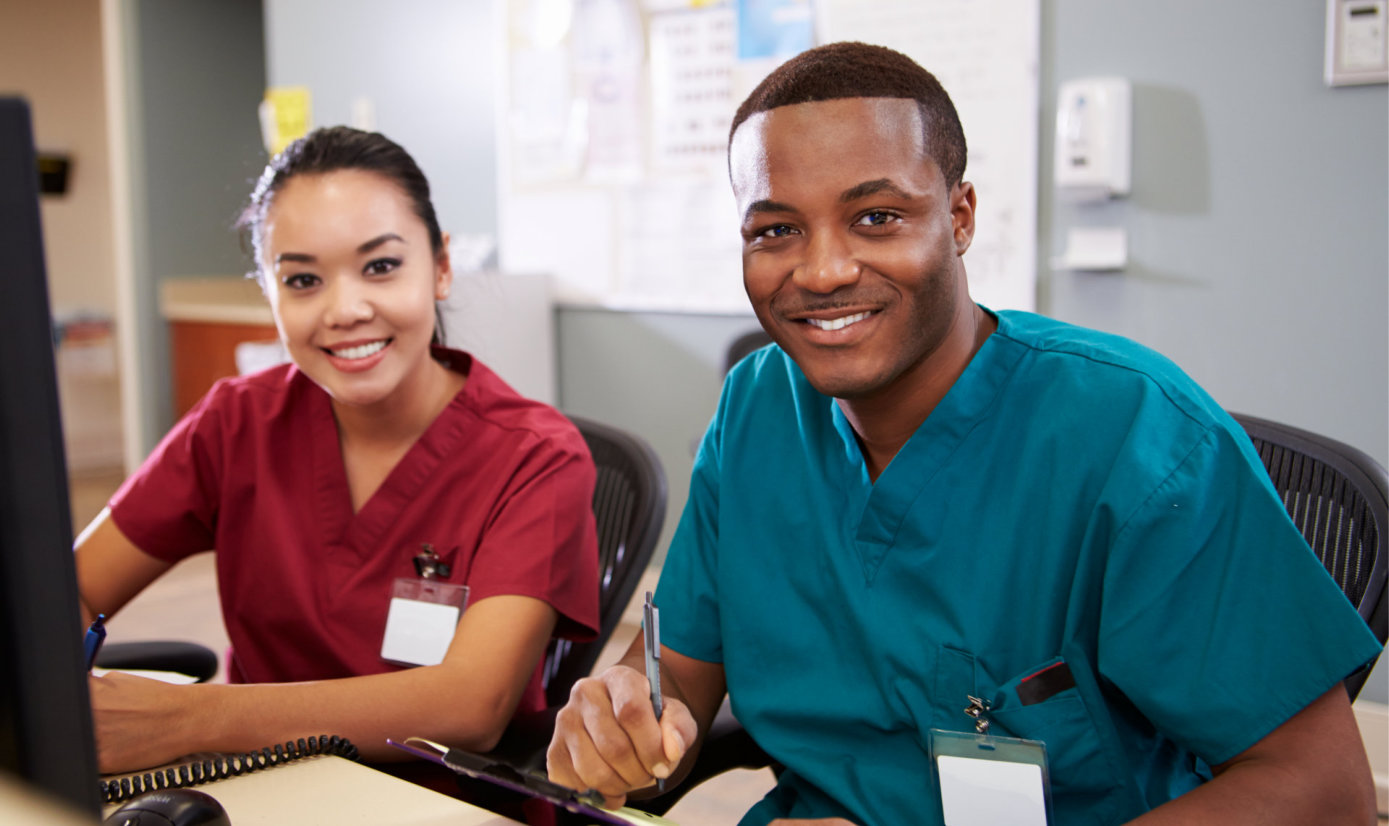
607, 737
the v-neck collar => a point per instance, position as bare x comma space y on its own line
886, 502
363, 530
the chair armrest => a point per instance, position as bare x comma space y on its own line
189, 658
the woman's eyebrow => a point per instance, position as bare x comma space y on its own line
379, 240
306, 258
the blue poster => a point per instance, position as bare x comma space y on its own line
774, 28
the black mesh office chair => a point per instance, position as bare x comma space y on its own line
1337, 496
743, 345
629, 506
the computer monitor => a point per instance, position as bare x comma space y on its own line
46, 734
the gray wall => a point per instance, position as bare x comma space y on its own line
1258, 217
196, 72
427, 66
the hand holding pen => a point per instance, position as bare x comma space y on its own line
619, 732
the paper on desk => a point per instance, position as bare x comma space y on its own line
172, 677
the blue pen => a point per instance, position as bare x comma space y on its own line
652, 617
96, 635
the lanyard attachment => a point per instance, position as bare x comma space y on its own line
429, 566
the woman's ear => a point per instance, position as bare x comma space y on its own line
962, 203
443, 272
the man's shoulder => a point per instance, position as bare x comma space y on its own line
1089, 361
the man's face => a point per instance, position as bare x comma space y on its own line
851, 240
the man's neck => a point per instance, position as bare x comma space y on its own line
885, 421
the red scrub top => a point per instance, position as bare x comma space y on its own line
500, 486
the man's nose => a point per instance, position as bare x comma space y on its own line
829, 264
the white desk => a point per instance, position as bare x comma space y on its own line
332, 791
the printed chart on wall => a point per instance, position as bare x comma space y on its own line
614, 118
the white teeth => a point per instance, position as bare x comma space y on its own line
836, 323
360, 351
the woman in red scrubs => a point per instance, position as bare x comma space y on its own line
327, 485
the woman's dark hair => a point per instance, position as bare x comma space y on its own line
861, 70
336, 149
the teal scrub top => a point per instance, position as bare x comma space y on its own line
1074, 498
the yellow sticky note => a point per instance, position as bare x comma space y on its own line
285, 114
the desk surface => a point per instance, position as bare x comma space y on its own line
332, 791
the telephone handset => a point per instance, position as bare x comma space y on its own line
221, 766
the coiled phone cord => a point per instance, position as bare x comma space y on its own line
221, 766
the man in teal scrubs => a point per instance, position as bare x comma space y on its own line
912, 505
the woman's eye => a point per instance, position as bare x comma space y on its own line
381, 266
300, 281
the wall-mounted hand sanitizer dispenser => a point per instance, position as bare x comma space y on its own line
1093, 136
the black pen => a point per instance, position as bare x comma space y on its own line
652, 617
96, 635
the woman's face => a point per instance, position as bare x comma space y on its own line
352, 281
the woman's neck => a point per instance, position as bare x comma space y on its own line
406, 414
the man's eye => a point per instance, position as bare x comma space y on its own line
777, 231
876, 219
381, 266
300, 281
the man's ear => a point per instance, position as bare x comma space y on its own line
962, 215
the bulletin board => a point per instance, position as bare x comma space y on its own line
613, 124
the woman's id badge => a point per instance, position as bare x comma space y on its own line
423, 614
987, 780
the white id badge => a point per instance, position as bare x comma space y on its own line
987, 780
422, 618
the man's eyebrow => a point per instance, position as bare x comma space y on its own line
879, 186
305, 258
766, 205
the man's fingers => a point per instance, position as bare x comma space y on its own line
678, 731
631, 705
610, 740
560, 765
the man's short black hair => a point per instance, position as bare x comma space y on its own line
862, 70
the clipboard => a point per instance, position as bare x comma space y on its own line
533, 784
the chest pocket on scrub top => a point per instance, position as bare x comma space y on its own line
1045, 703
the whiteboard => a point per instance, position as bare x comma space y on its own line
612, 132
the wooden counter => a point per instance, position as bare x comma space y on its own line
208, 317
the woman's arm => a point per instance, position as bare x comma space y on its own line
110, 569
465, 701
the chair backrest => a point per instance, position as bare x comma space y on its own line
629, 505
1339, 498
743, 345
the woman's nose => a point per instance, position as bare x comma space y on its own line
348, 303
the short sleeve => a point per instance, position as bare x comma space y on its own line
168, 507
541, 540
1218, 621
688, 592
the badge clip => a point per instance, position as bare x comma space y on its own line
428, 565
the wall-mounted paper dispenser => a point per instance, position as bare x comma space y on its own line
1093, 138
